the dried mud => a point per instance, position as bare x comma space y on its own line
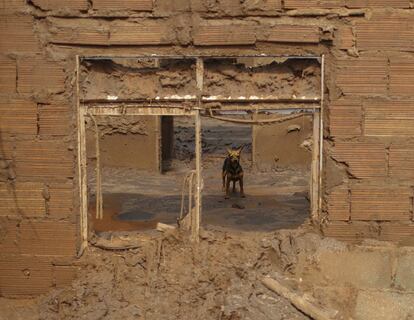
167, 278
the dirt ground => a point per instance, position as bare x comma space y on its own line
166, 277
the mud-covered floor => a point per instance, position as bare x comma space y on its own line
167, 277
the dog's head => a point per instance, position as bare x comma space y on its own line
234, 154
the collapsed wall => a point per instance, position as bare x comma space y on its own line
368, 153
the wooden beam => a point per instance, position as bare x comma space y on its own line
133, 110
314, 181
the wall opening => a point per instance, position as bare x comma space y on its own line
232, 101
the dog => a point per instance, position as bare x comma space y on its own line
233, 171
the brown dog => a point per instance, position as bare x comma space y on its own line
232, 171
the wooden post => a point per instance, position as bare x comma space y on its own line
321, 116
197, 214
82, 175
314, 183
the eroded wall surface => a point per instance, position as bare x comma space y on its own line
369, 149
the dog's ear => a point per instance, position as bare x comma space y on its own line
229, 151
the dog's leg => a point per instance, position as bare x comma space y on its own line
227, 188
224, 180
234, 186
241, 187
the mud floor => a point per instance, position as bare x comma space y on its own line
166, 277
138, 200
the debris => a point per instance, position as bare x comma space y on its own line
237, 206
300, 302
162, 227
293, 128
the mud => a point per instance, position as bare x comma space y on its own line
137, 79
261, 77
167, 278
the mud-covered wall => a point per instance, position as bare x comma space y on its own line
369, 145
283, 145
128, 141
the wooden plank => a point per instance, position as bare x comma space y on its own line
362, 76
18, 117
364, 159
48, 238
223, 35
7, 75
389, 118
339, 204
345, 118
290, 34
370, 203
123, 5
315, 209
401, 76
22, 199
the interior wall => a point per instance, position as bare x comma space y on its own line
128, 143
283, 145
369, 149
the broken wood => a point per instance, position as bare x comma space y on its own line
304, 305
162, 227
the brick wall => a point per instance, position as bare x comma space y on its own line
368, 45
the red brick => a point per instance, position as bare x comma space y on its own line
18, 117
61, 199
123, 5
362, 76
145, 33
344, 38
64, 275
7, 75
401, 76
350, 232
389, 118
48, 238
24, 275
339, 208
290, 33
61, 5
401, 161
55, 120
309, 4
17, 34
77, 31
378, 3
364, 159
9, 236
385, 32
44, 159
264, 6
221, 35
397, 232
39, 75
371, 203
22, 199
345, 118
